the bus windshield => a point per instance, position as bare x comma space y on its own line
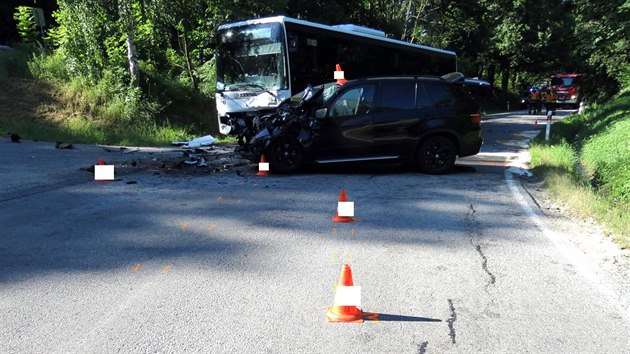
252, 57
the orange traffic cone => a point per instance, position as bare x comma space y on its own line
345, 313
341, 80
536, 126
337, 218
262, 172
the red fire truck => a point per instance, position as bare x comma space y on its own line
567, 87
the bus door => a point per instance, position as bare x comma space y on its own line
347, 129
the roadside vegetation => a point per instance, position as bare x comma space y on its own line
143, 72
586, 163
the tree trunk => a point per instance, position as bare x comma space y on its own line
132, 58
132, 55
505, 79
491, 72
189, 67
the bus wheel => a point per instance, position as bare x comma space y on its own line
286, 155
436, 155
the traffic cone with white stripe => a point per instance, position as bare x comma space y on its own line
263, 167
340, 219
340, 75
345, 313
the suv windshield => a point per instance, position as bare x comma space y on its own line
252, 57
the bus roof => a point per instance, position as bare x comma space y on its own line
283, 19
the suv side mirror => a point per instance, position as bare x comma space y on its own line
321, 113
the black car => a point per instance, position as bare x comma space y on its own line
426, 121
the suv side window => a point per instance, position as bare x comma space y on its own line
423, 100
440, 94
397, 95
357, 100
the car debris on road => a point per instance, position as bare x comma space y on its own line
198, 160
197, 142
63, 146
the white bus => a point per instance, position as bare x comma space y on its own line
262, 62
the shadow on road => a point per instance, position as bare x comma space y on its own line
384, 317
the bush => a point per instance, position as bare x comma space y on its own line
51, 68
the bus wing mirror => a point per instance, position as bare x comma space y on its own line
321, 113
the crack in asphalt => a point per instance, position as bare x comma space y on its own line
484, 265
474, 231
451, 321
422, 348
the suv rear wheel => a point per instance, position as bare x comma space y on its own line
436, 155
286, 155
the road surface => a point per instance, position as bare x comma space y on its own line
224, 262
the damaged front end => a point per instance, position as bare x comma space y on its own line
284, 134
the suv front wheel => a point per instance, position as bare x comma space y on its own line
286, 155
436, 155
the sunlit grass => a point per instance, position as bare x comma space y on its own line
586, 165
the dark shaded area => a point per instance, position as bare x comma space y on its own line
8, 29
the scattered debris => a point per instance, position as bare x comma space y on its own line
120, 149
130, 151
186, 161
197, 142
60, 145
14, 137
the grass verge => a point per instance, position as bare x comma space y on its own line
586, 164
39, 100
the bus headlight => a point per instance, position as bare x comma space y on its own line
225, 129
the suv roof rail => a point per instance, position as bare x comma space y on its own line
455, 77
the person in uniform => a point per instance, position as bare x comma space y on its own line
550, 100
534, 101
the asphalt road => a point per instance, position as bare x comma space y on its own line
238, 263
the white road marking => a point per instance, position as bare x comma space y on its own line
579, 262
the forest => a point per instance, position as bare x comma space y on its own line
130, 61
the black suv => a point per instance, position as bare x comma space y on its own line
426, 121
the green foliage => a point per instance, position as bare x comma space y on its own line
50, 68
25, 21
602, 32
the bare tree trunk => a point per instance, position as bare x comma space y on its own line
505, 79
407, 18
132, 55
491, 72
189, 67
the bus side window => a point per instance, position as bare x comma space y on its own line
292, 40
